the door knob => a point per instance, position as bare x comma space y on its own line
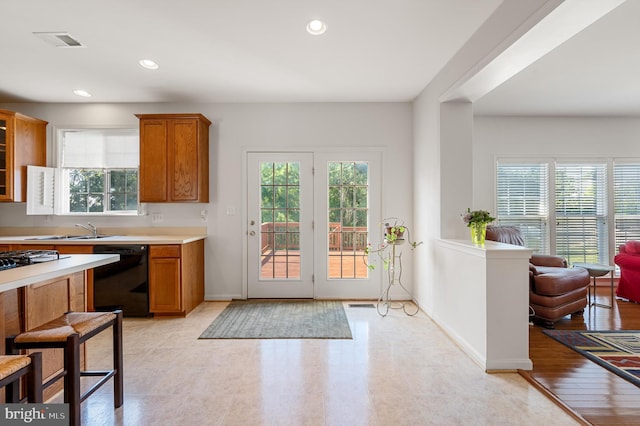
252, 233
253, 222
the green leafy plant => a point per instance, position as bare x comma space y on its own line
476, 216
394, 234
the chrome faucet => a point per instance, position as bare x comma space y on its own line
91, 228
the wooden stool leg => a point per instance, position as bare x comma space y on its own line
72, 378
12, 391
118, 387
9, 346
34, 379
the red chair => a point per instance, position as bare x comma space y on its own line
628, 259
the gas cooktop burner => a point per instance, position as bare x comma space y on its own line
14, 259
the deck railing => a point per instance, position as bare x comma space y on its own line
286, 235
280, 236
347, 238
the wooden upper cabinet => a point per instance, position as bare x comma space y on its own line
23, 142
174, 158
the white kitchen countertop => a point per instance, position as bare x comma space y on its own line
39, 272
116, 239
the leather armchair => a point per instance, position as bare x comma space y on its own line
555, 290
628, 259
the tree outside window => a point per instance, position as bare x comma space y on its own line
89, 188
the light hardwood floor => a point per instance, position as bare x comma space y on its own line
397, 370
597, 395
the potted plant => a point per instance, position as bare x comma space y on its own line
389, 251
477, 221
394, 235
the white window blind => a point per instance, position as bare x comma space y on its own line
100, 149
522, 201
581, 212
626, 191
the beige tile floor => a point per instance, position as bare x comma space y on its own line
397, 370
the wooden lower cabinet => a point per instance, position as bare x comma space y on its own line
165, 295
81, 249
176, 278
67, 249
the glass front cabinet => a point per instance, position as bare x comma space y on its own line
3, 157
22, 143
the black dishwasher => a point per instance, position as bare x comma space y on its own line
123, 284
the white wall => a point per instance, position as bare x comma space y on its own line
237, 127
492, 290
440, 149
548, 137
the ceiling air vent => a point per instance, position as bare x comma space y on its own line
59, 39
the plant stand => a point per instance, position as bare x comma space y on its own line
394, 273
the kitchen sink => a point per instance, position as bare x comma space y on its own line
69, 237
89, 237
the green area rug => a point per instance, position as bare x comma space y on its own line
280, 319
617, 351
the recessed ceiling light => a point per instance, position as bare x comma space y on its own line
82, 93
149, 64
316, 27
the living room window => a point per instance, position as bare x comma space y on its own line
580, 210
523, 201
626, 190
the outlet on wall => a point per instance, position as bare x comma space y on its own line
156, 217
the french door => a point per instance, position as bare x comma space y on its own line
307, 232
348, 217
280, 228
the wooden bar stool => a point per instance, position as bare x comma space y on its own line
68, 332
14, 367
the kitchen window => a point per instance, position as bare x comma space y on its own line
97, 174
102, 190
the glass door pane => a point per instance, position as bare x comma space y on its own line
348, 215
280, 220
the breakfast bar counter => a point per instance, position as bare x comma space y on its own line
34, 294
32, 274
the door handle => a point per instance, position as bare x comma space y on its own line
252, 233
253, 222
